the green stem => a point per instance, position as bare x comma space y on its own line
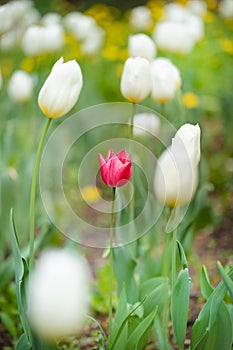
132, 204
111, 258
33, 195
174, 243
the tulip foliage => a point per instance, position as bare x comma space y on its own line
132, 168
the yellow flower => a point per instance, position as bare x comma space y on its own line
90, 194
190, 100
227, 45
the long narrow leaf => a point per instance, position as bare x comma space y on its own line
206, 288
19, 276
180, 305
226, 279
140, 330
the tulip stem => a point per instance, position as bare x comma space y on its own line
33, 195
132, 204
174, 243
112, 219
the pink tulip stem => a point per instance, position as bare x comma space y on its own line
112, 221
33, 195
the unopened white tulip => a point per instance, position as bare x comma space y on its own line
146, 124
136, 79
165, 80
141, 45
61, 89
51, 18
173, 36
141, 18
20, 87
176, 175
197, 7
58, 294
79, 25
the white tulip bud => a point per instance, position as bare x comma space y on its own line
141, 18
61, 89
173, 36
146, 124
20, 87
165, 80
141, 45
176, 175
136, 79
58, 294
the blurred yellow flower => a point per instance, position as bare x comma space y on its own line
227, 45
90, 194
208, 17
28, 64
190, 100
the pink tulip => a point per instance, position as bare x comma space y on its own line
116, 170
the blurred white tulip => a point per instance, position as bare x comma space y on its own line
176, 174
38, 40
146, 124
20, 87
226, 8
79, 25
58, 294
141, 18
175, 12
141, 45
61, 89
198, 7
165, 80
136, 79
173, 36
93, 41
51, 18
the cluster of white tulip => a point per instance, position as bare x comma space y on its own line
85, 29
144, 74
58, 294
181, 28
21, 24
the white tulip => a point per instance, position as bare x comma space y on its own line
226, 8
38, 40
165, 80
197, 7
176, 175
93, 41
61, 89
141, 45
51, 18
141, 18
58, 294
79, 25
136, 79
175, 12
146, 124
173, 36
20, 87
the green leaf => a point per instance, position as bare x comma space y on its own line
141, 329
23, 343
8, 323
179, 306
20, 275
206, 288
226, 279
204, 325
121, 313
121, 325
156, 292
182, 255
124, 267
162, 341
